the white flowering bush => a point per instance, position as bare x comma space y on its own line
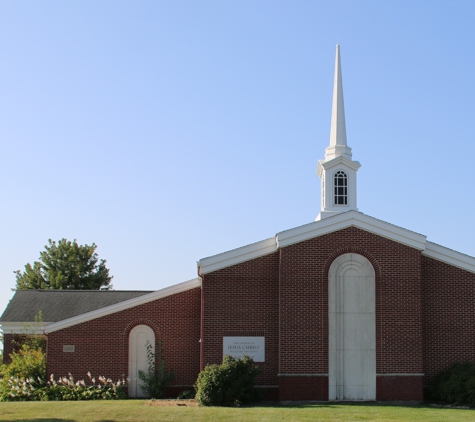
65, 388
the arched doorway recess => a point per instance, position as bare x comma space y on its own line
139, 336
352, 328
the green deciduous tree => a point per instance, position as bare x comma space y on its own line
65, 265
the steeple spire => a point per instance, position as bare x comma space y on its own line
337, 170
338, 127
338, 145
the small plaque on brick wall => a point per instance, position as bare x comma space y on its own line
68, 348
254, 347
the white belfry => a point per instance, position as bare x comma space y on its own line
337, 170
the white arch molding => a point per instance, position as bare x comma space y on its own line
352, 328
138, 338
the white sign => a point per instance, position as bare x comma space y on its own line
254, 347
68, 348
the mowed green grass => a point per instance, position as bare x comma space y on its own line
140, 410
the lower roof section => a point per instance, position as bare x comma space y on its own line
56, 305
145, 297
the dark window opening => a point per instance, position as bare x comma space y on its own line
341, 188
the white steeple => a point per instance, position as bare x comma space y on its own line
337, 170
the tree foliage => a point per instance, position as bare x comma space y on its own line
65, 265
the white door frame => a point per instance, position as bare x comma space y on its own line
138, 338
352, 328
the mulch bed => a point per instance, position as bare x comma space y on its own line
173, 402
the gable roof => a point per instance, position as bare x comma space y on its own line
56, 305
127, 304
102, 303
332, 224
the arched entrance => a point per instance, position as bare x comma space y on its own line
138, 338
352, 329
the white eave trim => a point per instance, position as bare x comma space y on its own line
127, 304
309, 231
31, 327
349, 219
449, 256
236, 256
333, 224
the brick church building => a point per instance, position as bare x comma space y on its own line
347, 307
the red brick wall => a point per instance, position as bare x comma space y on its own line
448, 316
243, 300
304, 302
303, 388
8, 347
286, 293
399, 388
101, 345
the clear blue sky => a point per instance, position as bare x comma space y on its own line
169, 131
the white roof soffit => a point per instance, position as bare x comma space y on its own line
126, 304
449, 256
236, 256
349, 219
31, 327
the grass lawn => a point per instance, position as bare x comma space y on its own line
141, 410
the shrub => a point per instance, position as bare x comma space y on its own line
157, 378
228, 384
25, 363
29, 389
455, 386
29, 336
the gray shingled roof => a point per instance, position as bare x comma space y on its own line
57, 305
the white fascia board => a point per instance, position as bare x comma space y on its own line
355, 165
126, 304
31, 327
320, 168
349, 219
236, 256
449, 256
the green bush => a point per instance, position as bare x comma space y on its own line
24, 363
29, 389
455, 386
27, 364
157, 378
228, 384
